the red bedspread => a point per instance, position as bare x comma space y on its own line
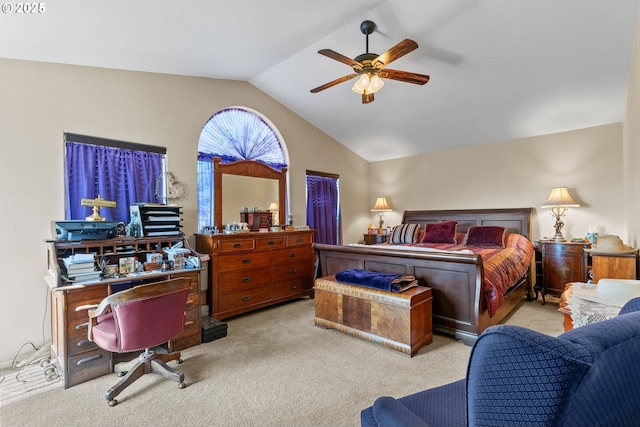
502, 266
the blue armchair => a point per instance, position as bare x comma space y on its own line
589, 376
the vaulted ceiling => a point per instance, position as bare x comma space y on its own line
499, 69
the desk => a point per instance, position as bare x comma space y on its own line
78, 359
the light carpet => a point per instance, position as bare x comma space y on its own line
274, 368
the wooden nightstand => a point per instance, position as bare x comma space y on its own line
561, 263
375, 239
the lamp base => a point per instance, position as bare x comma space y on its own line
559, 238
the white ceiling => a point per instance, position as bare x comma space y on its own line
500, 69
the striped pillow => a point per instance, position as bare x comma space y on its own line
404, 233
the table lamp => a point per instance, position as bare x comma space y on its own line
560, 201
273, 207
380, 208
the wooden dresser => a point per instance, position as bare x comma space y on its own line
254, 270
78, 359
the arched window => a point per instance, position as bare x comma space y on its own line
234, 133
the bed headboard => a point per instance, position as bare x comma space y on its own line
514, 220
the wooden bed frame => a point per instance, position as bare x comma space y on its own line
455, 279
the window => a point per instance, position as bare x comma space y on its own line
234, 133
323, 207
114, 170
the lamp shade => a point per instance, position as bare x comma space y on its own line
381, 205
273, 206
560, 197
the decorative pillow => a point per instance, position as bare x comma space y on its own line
440, 232
487, 236
404, 233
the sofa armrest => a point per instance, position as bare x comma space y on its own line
388, 412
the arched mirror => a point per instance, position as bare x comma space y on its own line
242, 163
246, 183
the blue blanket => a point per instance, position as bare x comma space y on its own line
372, 279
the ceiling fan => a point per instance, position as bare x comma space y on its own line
369, 67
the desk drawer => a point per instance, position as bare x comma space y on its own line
78, 303
236, 280
244, 298
87, 366
77, 336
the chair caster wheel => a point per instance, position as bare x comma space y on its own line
178, 361
113, 403
182, 385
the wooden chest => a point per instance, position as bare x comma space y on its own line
401, 321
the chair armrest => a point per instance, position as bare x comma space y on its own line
388, 412
511, 369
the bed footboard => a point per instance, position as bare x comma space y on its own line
455, 280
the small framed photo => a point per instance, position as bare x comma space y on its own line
127, 265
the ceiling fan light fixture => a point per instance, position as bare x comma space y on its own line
367, 83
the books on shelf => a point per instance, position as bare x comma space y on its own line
79, 264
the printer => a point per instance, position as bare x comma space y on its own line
84, 230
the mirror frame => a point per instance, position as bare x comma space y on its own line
247, 168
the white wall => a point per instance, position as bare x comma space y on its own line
41, 101
631, 151
513, 174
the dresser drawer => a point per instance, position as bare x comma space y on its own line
237, 245
245, 298
289, 255
234, 262
271, 242
305, 239
293, 271
290, 288
236, 280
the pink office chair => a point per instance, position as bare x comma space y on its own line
140, 318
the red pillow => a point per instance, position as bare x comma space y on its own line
440, 232
486, 236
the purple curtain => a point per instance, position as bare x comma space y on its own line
126, 176
323, 209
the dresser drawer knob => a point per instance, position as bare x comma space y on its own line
246, 298
82, 325
89, 359
293, 270
293, 255
82, 343
237, 245
292, 287
271, 242
246, 260
246, 279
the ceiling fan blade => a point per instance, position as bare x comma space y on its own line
341, 58
398, 51
333, 83
367, 98
403, 76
